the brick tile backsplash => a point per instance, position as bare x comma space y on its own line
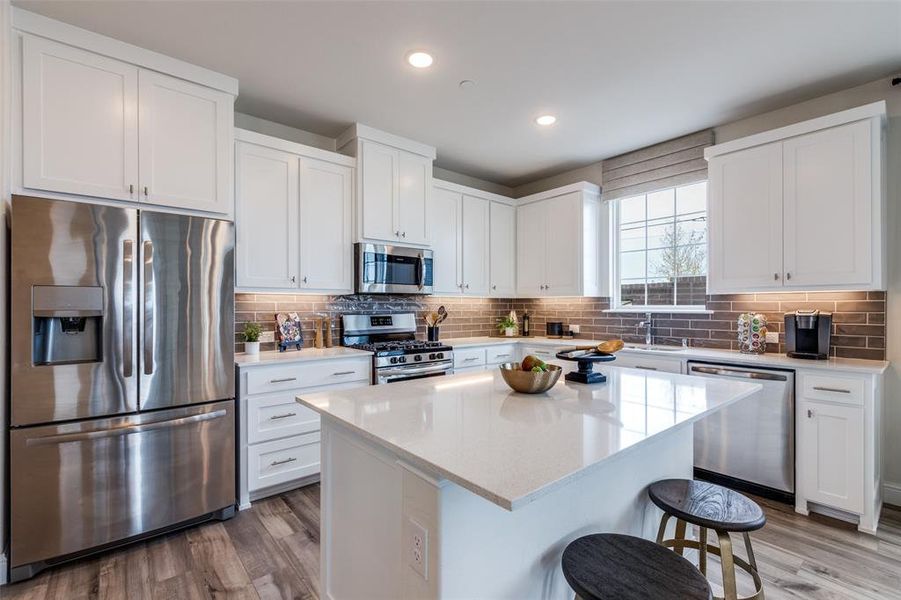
858, 317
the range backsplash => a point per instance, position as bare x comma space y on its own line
858, 317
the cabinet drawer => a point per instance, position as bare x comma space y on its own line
274, 463
844, 390
501, 354
278, 415
309, 374
648, 363
470, 357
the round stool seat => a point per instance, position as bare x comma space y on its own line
707, 505
611, 566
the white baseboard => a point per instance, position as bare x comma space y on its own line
891, 493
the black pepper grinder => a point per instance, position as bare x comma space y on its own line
525, 324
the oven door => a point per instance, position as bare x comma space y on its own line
406, 373
382, 269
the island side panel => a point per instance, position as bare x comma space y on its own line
372, 502
490, 552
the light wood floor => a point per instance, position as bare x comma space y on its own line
272, 551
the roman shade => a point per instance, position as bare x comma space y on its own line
679, 161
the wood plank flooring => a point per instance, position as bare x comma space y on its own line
271, 551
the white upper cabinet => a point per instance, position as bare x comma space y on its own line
502, 237
744, 212
801, 207
184, 141
326, 198
293, 216
476, 231
447, 245
562, 243
266, 217
109, 120
79, 121
394, 185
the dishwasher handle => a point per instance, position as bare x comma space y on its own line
736, 373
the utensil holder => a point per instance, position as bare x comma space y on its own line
431, 334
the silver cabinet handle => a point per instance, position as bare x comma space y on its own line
470, 359
494, 287
403, 234
149, 307
340, 373
540, 352
829, 389
788, 276
282, 416
645, 368
146, 191
293, 278
397, 233
776, 276
276, 463
131, 188
501, 355
128, 307
283, 380
809, 414
304, 278
466, 286
123, 429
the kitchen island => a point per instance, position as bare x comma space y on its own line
458, 487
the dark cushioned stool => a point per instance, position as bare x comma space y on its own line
610, 566
710, 506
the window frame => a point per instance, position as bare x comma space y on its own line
615, 283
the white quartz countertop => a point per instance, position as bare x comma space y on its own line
727, 356
511, 448
307, 354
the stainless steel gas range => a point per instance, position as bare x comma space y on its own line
397, 354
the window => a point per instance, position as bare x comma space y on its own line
661, 249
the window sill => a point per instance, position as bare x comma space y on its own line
682, 310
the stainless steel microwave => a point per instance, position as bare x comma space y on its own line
383, 269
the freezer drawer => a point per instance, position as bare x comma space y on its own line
85, 484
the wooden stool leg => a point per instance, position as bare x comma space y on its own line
729, 590
662, 530
702, 559
680, 535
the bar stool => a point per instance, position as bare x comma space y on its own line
710, 506
611, 566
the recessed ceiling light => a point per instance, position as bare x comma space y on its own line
420, 60
546, 120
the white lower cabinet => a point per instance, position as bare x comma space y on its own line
647, 362
279, 437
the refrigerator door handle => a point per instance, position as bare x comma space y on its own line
149, 308
123, 430
128, 308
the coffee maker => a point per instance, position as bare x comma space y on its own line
807, 334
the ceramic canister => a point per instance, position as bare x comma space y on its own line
752, 333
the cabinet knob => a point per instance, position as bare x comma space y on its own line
788, 275
494, 287
293, 278
809, 414
403, 234
131, 188
776, 276
145, 191
304, 278
466, 286
397, 233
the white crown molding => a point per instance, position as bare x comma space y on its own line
268, 141
585, 187
358, 130
471, 191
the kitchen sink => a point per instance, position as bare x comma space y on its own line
653, 347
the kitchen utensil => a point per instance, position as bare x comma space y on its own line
317, 340
611, 346
529, 382
442, 315
585, 357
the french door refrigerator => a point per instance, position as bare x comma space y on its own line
122, 419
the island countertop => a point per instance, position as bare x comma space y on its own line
512, 448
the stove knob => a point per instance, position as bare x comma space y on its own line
402, 359
440, 355
431, 356
417, 357
393, 360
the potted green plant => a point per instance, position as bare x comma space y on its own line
252, 333
508, 325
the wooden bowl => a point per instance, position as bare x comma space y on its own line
529, 382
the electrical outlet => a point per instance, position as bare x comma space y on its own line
575, 328
267, 336
772, 337
418, 548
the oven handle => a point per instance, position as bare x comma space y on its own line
421, 272
444, 366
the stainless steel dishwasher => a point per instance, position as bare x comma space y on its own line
751, 444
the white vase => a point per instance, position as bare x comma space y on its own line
510, 331
251, 348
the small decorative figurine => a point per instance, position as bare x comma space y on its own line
288, 329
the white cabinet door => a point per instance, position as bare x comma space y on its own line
326, 193
185, 137
503, 250
476, 260
828, 204
447, 243
413, 189
266, 218
744, 209
378, 191
563, 218
531, 233
831, 447
80, 121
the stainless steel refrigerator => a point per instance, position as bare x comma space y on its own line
122, 415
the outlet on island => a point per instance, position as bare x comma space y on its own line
418, 548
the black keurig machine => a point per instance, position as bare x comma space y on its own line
807, 334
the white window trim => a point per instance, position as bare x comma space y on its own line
615, 282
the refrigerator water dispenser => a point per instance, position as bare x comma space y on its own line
67, 324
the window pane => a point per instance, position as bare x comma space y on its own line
691, 291
632, 265
692, 230
662, 263
661, 204
632, 292
632, 237
691, 198
660, 236
631, 209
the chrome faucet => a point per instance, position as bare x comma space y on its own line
647, 324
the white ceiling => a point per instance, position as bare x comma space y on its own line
619, 75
